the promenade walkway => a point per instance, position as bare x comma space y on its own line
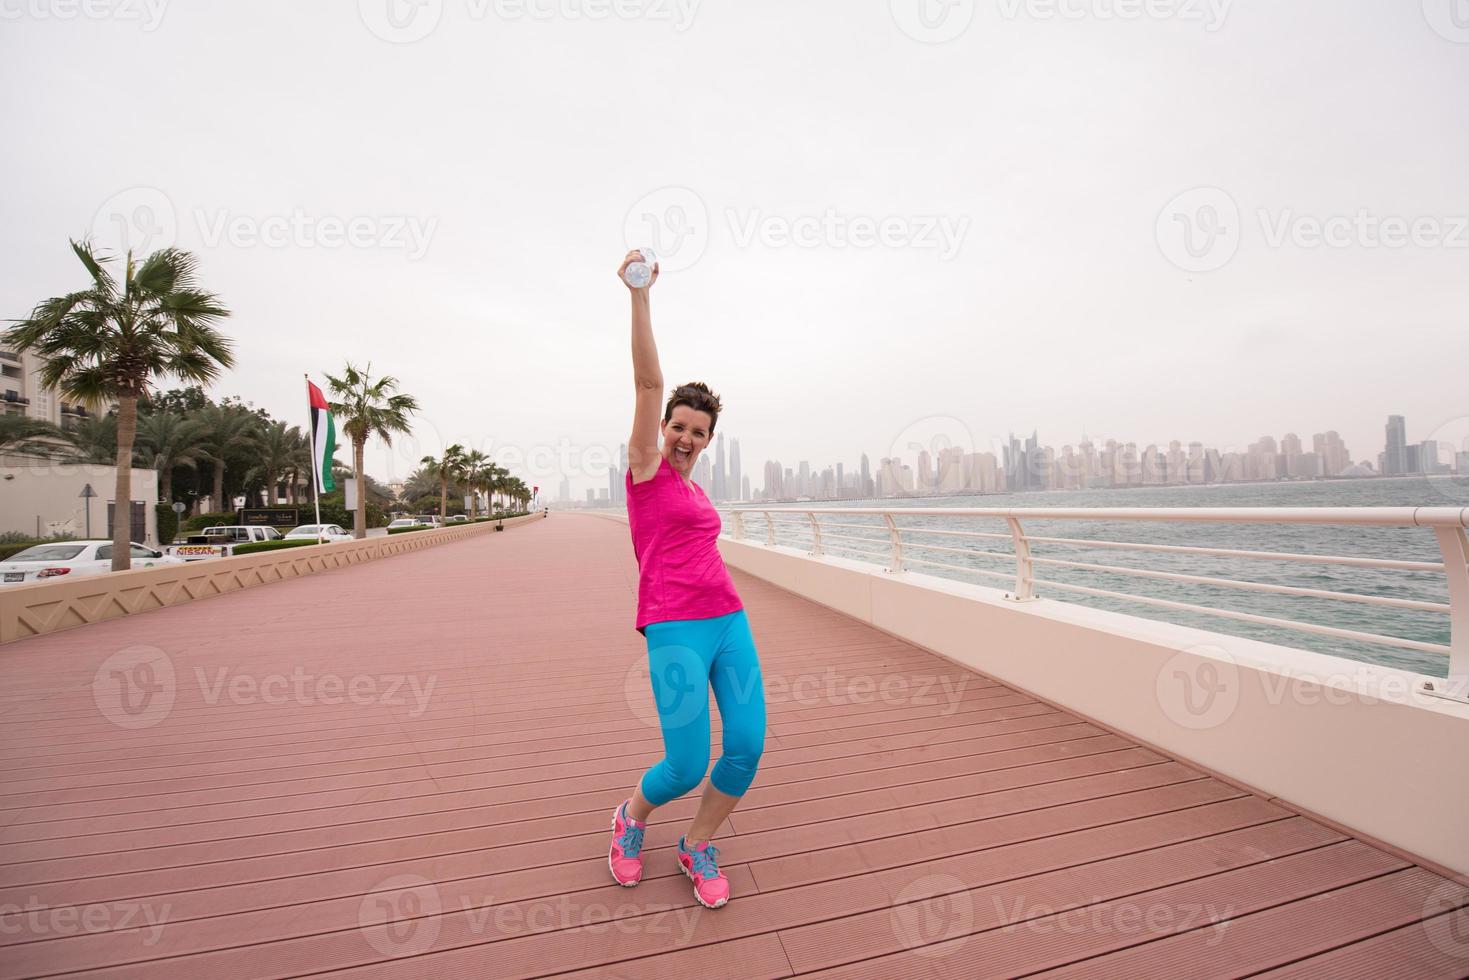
407, 768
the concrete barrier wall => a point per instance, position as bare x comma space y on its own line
45, 607
1347, 742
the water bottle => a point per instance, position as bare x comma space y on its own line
640, 273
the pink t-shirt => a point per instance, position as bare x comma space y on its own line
681, 574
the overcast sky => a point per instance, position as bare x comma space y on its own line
886, 222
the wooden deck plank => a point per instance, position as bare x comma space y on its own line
469, 837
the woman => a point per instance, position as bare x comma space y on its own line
693, 620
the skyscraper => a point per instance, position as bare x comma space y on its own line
866, 488
718, 493
737, 484
1395, 457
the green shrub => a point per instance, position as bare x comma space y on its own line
199, 522
254, 546
406, 530
168, 523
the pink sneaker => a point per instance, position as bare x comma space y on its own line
627, 845
711, 887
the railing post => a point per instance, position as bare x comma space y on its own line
815, 535
1454, 545
1024, 570
897, 540
739, 522
769, 529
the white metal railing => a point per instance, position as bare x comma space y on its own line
886, 541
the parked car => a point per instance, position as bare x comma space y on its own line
66, 560
406, 522
220, 541
433, 520
311, 532
457, 519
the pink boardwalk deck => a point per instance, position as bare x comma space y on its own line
406, 769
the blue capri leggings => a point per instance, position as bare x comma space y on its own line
685, 658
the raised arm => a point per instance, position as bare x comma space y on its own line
642, 447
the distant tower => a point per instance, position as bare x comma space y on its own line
719, 493
1395, 459
736, 483
866, 489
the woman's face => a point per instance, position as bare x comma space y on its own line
685, 435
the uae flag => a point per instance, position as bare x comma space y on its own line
323, 440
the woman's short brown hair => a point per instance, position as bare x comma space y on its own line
695, 395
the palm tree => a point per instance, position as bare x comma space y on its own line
110, 340
367, 408
495, 477
449, 467
22, 435
94, 440
230, 429
280, 448
474, 472
167, 440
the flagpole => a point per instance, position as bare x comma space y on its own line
315, 463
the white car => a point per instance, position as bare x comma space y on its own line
59, 561
406, 522
326, 532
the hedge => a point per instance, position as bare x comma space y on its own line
254, 546
168, 523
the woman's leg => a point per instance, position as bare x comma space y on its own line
740, 692
679, 657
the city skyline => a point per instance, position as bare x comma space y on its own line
1033, 465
